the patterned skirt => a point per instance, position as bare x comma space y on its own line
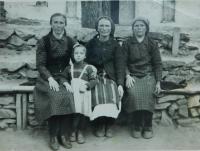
49, 103
140, 96
105, 99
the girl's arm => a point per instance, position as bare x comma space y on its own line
92, 76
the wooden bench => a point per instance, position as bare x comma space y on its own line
22, 96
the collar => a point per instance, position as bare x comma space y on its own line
134, 40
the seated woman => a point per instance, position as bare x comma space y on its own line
52, 101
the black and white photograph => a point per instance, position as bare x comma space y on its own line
99, 75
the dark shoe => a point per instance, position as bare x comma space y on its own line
65, 142
72, 138
136, 132
80, 138
100, 132
54, 143
147, 132
109, 133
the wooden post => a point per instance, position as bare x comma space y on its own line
18, 110
24, 110
176, 41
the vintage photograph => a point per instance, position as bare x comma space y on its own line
99, 75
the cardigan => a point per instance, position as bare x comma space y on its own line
142, 58
106, 56
53, 55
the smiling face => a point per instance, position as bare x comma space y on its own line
104, 27
79, 54
139, 29
58, 24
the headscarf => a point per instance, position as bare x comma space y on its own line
144, 20
111, 22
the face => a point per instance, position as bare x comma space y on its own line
79, 54
58, 24
104, 27
139, 28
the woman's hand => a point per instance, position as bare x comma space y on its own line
129, 81
53, 84
68, 87
121, 91
158, 88
83, 88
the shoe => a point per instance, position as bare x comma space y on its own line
54, 143
136, 132
80, 138
100, 132
65, 142
72, 138
109, 133
147, 132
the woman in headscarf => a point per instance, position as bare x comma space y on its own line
104, 52
52, 101
143, 74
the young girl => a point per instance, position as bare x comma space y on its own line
83, 78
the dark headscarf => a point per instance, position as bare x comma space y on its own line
144, 20
58, 14
111, 22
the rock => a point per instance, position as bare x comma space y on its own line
31, 66
196, 69
31, 117
197, 56
24, 48
172, 109
188, 121
168, 98
5, 100
33, 123
5, 33
3, 125
157, 115
16, 41
165, 119
182, 101
174, 79
31, 111
183, 111
14, 67
193, 101
168, 65
6, 113
194, 112
32, 42
9, 121
10, 106
31, 105
161, 106
25, 35
30, 98
32, 74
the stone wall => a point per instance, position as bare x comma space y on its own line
17, 49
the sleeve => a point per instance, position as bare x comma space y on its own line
92, 76
119, 63
90, 58
41, 60
65, 75
156, 60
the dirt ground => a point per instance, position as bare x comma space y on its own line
166, 138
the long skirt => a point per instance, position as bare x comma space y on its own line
140, 96
105, 99
49, 103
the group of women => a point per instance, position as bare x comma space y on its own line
116, 76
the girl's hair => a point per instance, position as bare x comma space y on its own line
58, 14
111, 22
77, 45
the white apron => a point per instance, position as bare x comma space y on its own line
82, 101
